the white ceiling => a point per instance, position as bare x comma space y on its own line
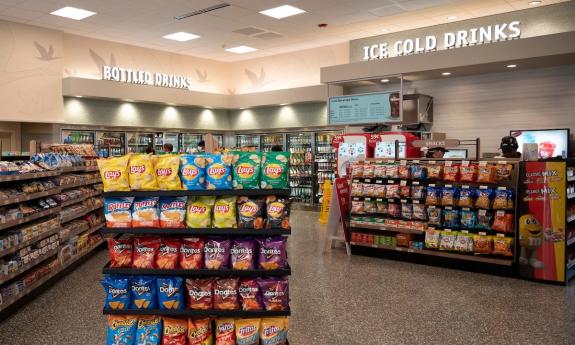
144, 22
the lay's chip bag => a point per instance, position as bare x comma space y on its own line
219, 171
167, 169
145, 212
199, 212
175, 331
143, 292
274, 172
224, 213
121, 330
192, 172
141, 172
200, 331
117, 294
173, 212
118, 212
274, 330
225, 332
170, 292
114, 173
246, 171
149, 330
247, 331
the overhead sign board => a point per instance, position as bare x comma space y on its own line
134, 76
380, 107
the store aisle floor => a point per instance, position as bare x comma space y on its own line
341, 300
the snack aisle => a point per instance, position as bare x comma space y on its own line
300, 146
219, 249
325, 161
454, 213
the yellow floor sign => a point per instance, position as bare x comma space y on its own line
325, 202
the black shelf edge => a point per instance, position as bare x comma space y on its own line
218, 192
189, 312
198, 273
197, 232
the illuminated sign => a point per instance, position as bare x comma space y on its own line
134, 76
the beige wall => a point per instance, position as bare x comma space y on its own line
11, 130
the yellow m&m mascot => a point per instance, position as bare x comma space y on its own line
530, 238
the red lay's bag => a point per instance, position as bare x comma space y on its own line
145, 250
168, 253
120, 252
175, 331
191, 253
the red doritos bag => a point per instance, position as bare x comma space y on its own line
167, 257
192, 253
145, 250
120, 252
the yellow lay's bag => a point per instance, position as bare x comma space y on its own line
114, 173
141, 173
225, 212
199, 212
166, 169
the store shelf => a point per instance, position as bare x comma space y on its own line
191, 313
78, 215
5, 278
198, 273
28, 176
426, 252
242, 192
30, 218
198, 232
29, 242
77, 200
79, 169
80, 184
571, 179
81, 231
27, 197
377, 227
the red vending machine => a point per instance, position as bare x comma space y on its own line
385, 146
351, 148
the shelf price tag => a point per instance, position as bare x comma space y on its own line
500, 235
501, 188
465, 231
379, 181
403, 162
483, 233
404, 201
448, 185
464, 163
416, 201
483, 187
431, 185
483, 163
465, 186
403, 183
415, 183
432, 162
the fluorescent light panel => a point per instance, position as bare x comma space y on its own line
181, 36
241, 49
73, 13
282, 11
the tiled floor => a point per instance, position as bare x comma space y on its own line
341, 300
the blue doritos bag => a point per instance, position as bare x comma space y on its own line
117, 294
143, 291
170, 292
121, 330
149, 330
193, 171
219, 171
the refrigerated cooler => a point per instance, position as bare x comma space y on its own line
243, 140
161, 138
190, 141
139, 142
300, 146
70, 136
268, 141
110, 143
325, 160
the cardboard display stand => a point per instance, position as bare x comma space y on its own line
338, 214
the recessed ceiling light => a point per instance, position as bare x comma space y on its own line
511, 66
79, 96
241, 49
282, 104
73, 13
181, 36
282, 11
451, 17
385, 80
446, 73
535, 3
128, 100
384, 30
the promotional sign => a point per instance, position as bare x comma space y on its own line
541, 221
343, 193
377, 107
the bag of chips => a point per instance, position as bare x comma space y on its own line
419, 212
451, 173
149, 330
447, 240
117, 294
200, 331
433, 196
224, 213
503, 221
274, 173
225, 332
501, 199
357, 189
175, 331
357, 207
275, 293
199, 212
502, 246
145, 212
193, 171
118, 212
357, 170
432, 238
248, 331
145, 250
173, 212
272, 253
404, 172
486, 174
200, 293
406, 211
466, 197
141, 172
482, 244
392, 170
503, 172
143, 292
168, 253
167, 169
219, 171
464, 243
418, 192
242, 254
484, 197
434, 172
394, 210
378, 171
451, 219
369, 206
248, 291
468, 219
484, 218
192, 253
277, 210
121, 330
120, 252
226, 294
114, 174
468, 173
216, 253
250, 212
170, 292
273, 331
449, 196
246, 172
392, 191
434, 216
418, 172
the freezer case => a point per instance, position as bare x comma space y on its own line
324, 163
300, 146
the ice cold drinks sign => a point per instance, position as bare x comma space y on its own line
455, 39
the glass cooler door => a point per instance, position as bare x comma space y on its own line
110, 143
271, 140
300, 146
325, 161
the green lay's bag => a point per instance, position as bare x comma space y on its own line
247, 170
274, 171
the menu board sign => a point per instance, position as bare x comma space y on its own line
377, 107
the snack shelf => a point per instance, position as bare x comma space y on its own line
191, 313
198, 232
30, 218
376, 227
81, 184
81, 214
199, 272
29, 242
81, 231
28, 197
427, 252
28, 176
79, 169
217, 192
8, 277
77, 200
438, 183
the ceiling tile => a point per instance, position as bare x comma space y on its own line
21, 13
